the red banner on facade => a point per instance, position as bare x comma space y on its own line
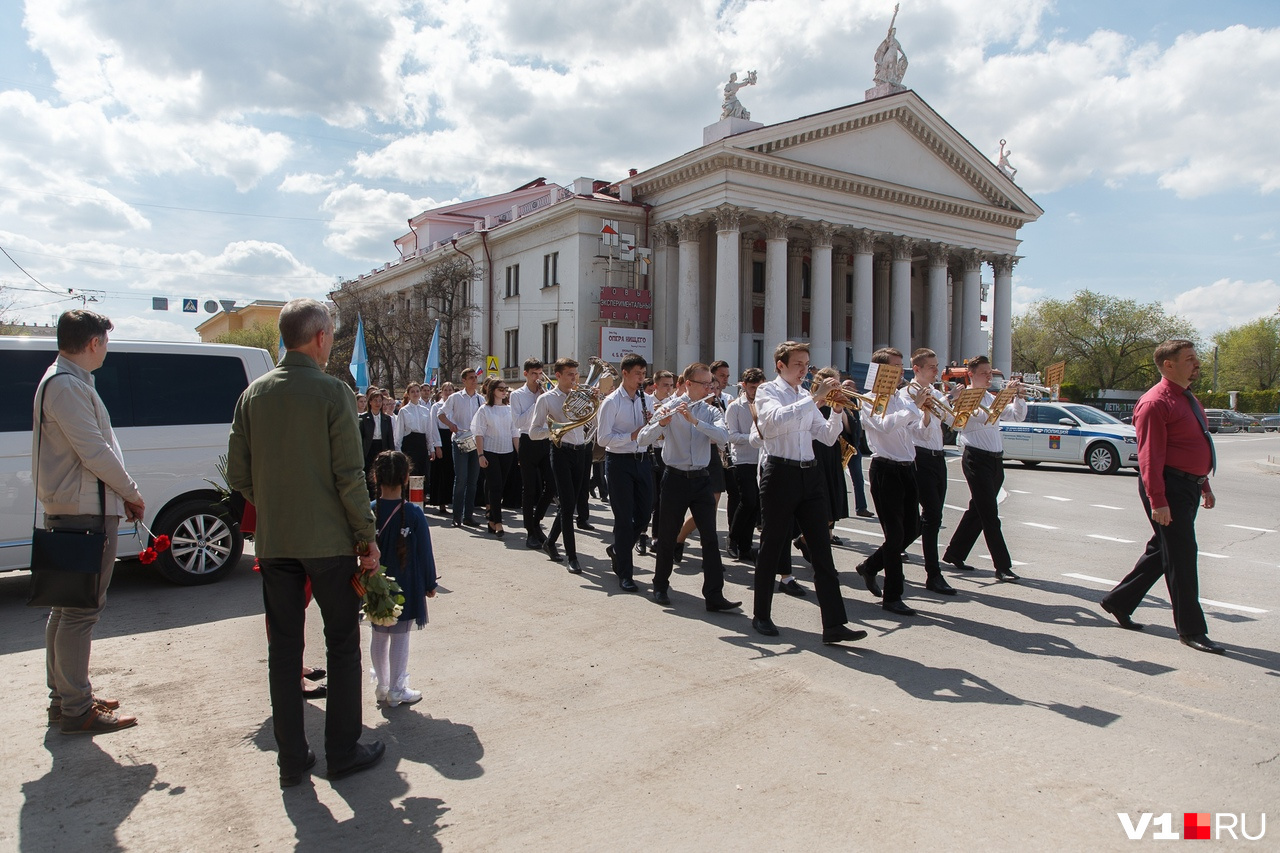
624, 303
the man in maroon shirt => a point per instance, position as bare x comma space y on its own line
1175, 458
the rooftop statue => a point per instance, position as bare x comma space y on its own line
891, 60
1003, 165
732, 107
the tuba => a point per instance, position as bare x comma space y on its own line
583, 402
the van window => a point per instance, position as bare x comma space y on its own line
19, 377
172, 389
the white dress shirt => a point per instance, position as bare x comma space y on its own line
620, 415
412, 418
928, 436
978, 434
745, 440
460, 408
522, 403
496, 426
789, 421
687, 445
654, 405
890, 435
551, 405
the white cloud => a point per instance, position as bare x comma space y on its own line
1024, 297
1226, 303
366, 220
309, 183
143, 328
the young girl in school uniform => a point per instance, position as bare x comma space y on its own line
405, 544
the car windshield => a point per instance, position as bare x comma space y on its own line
1090, 415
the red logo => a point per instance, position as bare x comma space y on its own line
1195, 826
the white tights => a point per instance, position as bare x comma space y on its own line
389, 654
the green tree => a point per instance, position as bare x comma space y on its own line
1106, 341
261, 335
1249, 356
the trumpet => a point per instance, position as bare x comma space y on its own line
939, 407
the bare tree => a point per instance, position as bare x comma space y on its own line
447, 287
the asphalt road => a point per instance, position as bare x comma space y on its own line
563, 714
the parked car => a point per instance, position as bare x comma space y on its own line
1072, 433
171, 405
1270, 423
1229, 420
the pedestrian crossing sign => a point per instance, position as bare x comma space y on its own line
491, 365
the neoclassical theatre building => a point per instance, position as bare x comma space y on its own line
864, 226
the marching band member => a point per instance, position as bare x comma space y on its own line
537, 484
663, 387
983, 464
690, 428
570, 461
739, 419
628, 470
716, 467
791, 489
720, 372
931, 471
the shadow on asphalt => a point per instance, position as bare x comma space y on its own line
139, 601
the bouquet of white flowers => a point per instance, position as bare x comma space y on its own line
380, 599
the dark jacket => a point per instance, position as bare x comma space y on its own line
366, 433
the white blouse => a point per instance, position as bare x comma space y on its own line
496, 426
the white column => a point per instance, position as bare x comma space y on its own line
1002, 314
820, 295
775, 286
900, 296
880, 338
863, 301
746, 300
839, 307
972, 260
689, 313
728, 325
795, 289
938, 331
957, 312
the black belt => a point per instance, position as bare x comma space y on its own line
1183, 475
691, 475
883, 461
637, 455
793, 463
991, 453
567, 446
929, 451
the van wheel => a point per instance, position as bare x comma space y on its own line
1031, 463
206, 543
1102, 459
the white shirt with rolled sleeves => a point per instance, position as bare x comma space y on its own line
620, 415
978, 434
551, 405
746, 441
928, 436
495, 425
687, 445
522, 402
790, 421
890, 435
460, 408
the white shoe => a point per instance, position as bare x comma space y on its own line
403, 696
380, 693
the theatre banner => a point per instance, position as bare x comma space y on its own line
627, 304
616, 343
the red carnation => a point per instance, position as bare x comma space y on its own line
147, 556
162, 543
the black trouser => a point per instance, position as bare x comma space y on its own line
539, 485
415, 447
893, 490
442, 472
659, 468
379, 445
984, 471
583, 508
283, 583
689, 491
742, 526
1171, 552
569, 466
732, 489
496, 473
931, 487
600, 479
788, 495
630, 477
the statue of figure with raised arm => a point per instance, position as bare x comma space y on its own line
891, 60
1004, 165
732, 107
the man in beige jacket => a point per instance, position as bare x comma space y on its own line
73, 448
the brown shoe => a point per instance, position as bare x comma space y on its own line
55, 711
97, 721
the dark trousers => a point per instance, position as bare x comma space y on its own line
732, 490
682, 492
659, 469
742, 525
859, 491
415, 447
466, 478
539, 485
583, 508
442, 472
570, 465
893, 489
630, 478
379, 445
600, 480
985, 474
1171, 552
283, 592
788, 496
931, 486
500, 465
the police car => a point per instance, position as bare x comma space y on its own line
1071, 433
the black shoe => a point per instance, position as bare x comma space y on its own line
836, 540
455, 523
660, 596
865, 513
939, 585
316, 674
899, 608
869, 578
628, 585
610, 553
470, 522
1202, 643
573, 567
840, 634
552, 551
367, 755
317, 692
678, 554
1006, 576
533, 543
722, 605
732, 551
764, 626
1123, 618
747, 556
585, 525
293, 778
642, 544
960, 565
803, 548
791, 587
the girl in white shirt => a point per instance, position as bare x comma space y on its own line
497, 438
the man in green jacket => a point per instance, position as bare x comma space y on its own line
295, 455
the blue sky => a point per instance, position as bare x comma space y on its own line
263, 149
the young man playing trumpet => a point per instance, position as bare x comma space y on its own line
931, 469
739, 419
570, 461
623, 414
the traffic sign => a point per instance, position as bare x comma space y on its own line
189, 306
491, 365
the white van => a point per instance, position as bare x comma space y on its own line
171, 405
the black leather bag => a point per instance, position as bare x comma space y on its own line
66, 564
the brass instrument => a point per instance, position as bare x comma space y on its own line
936, 403
1003, 399
847, 452
583, 402
884, 384
965, 405
1053, 375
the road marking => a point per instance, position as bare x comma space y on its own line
1110, 538
1056, 498
958, 480
956, 508
1106, 506
1019, 492
863, 532
1254, 529
1241, 607
1041, 526
1214, 556
1015, 562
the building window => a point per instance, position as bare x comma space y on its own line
512, 354
550, 342
757, 352
513, 280
806, 275
757, 276
848, 289
551, 269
